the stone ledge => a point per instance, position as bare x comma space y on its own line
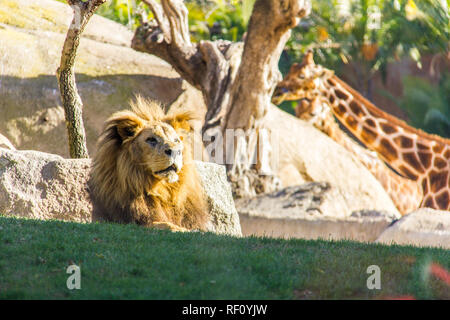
45, 186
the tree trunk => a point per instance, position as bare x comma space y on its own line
71, 100
236, 79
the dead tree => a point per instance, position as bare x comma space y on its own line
236, 79
71, 100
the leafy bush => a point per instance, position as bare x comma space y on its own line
372, 32
208, 19
219, 19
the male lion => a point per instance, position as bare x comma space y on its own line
143, 173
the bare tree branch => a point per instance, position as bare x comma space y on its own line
178, 19
163, 23
71, 100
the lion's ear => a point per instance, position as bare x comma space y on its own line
182, 120
127, 126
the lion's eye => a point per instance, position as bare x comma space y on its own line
152, 141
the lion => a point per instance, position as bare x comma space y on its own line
144, 173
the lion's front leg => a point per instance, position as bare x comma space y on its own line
168, 226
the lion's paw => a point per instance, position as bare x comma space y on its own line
168, 226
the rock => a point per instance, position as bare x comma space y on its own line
224, 217
45, 186
109, 74
5, 143
309, 211
424, 227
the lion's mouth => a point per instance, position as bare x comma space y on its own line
167, 170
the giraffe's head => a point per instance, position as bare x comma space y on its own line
302, 81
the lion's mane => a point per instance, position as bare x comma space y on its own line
124, 190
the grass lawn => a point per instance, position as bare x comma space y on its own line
130, 262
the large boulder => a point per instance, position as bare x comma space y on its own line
310, 211
46, 186
109, 74
425, 227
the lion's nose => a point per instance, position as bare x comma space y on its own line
171, 152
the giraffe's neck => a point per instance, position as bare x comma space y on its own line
418, 156
405, 193
395, 144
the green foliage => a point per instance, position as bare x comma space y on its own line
132, 262
369, 34
122, 11
427, 106
372, 32
219, 19
208, 19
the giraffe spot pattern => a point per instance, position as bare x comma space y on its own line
356, 108
370, 123
442, 200
438, 180
404, 142
388, 150
331, 82
421, 146
412, 160
387, 128
341, 109
428, 202
438, 148
440, 163
425, 159
351, 122
341, 94
368, 136
372, 113
447, 154
425, 186
409, 174
332, 99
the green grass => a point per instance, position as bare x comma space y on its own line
131, 262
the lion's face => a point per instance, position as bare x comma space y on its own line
160, 150
146, 143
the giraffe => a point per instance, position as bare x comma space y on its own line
405, 193
416, 155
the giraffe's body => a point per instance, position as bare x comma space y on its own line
419, 156
405, 193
